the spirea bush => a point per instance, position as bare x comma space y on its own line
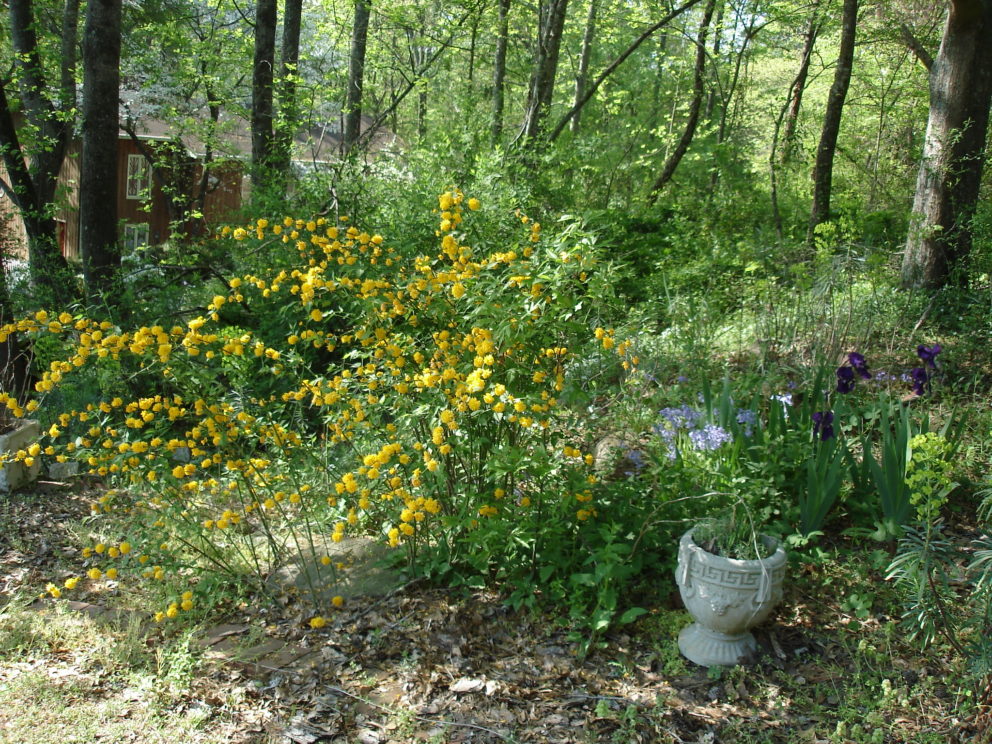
349, 390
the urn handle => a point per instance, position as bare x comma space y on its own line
685, 570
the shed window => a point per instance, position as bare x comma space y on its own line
138, 177
135, 236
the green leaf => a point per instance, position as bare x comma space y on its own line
631, 615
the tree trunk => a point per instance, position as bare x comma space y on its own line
698, 88
953, 153
582, 77
98, 183
289, 110
823, 170
551, 24
798, 88
615, 64
261, 92
499, 69
356, 75
33, 166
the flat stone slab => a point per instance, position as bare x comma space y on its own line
365, 573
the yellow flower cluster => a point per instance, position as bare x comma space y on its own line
406, 373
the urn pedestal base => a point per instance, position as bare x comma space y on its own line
21, 436
711, 648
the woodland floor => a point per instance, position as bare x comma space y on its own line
424, 664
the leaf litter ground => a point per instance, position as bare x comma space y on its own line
413, 663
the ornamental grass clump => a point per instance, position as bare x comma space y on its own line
359, 391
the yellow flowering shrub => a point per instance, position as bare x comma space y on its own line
354, 391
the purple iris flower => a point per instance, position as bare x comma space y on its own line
860, 365
919, 378
845, 379
823, 425
928, 354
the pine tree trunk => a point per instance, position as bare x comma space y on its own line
953, 153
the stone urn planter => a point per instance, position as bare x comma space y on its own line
17, 435
726, 597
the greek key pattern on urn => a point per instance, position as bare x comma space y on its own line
728, 577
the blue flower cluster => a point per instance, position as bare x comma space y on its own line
702, 436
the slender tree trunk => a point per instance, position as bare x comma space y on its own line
582, 77
698, 89
98, 183
716, 90
356, 75
499, 69
261, 92
615, 64
823, 170
34, 168
289, 109
551, 24
797, 89
950, 173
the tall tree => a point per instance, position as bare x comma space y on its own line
98, 183
356, 75
698, 89
33, 156
823, 170
798, 86
550, 26
289, 109
582, 75
261, 91
615, 65
953, 152
499, 68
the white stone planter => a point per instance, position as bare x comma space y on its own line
726, 597
16, 474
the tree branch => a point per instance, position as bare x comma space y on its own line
916, 46
645, 35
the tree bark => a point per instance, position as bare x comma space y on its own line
582, 77
698, 89
261, 91
499, 69
356, 75
823, 170
289, 109
33, 166
98, 183
798, 87
551, 24
953, 152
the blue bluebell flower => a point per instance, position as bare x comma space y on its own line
710, 437
748, 419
